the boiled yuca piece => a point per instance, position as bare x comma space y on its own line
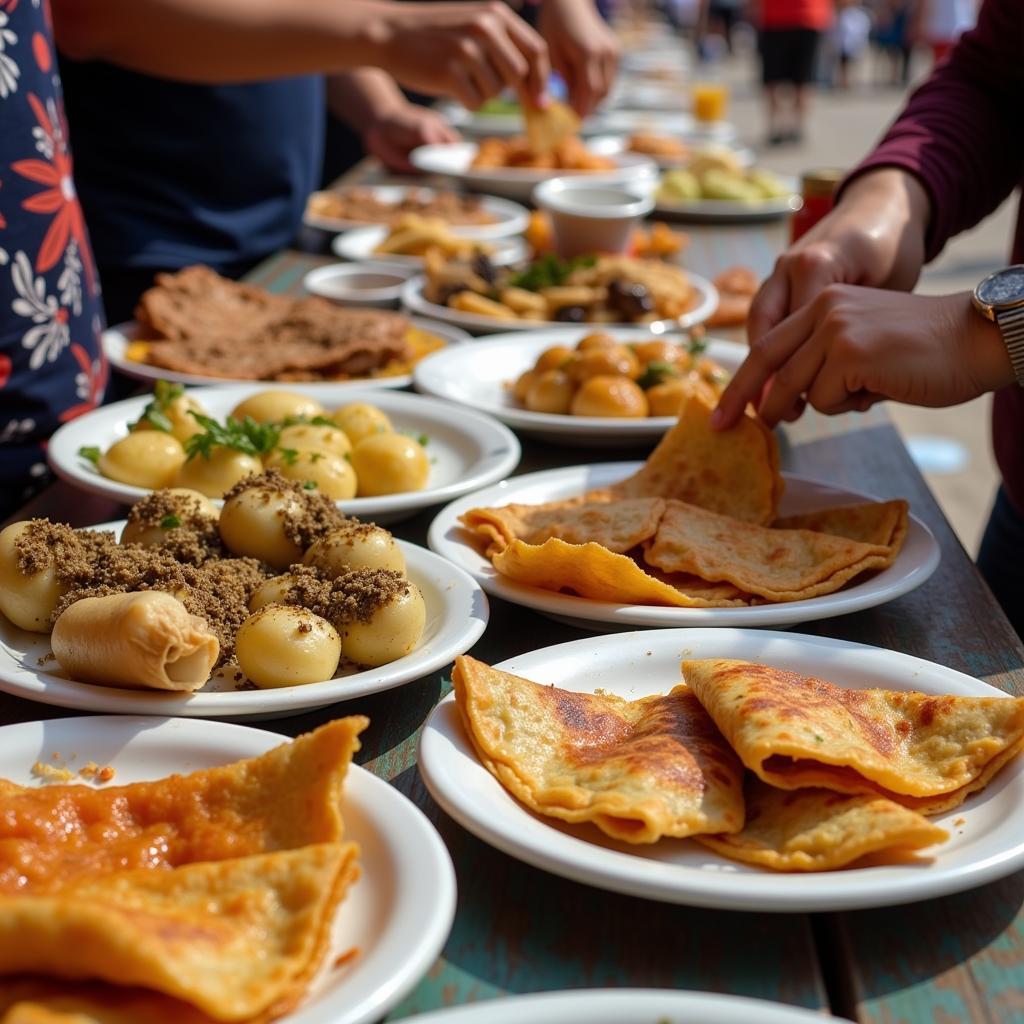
145, 640
819, 830
923, 751
638, 770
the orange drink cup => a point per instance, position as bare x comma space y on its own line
710, 100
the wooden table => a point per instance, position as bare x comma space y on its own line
518, 929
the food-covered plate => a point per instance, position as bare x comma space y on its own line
733, 211
357, 206
502, 116
916, 561
668, 122
634, 142
986, 833
464, 452
396, 917
481, 376
360, 244
121, 350
456, 616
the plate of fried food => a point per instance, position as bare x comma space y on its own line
706, 532
414, 236
236, 876
384, 454
671, 122
274, 604
579, 386
737, 769
547, 291
196, 327
471, 216
669, 150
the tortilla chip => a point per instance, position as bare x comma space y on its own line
735, 472
638, 770
922, 751
593, 571
53, 837
780, 565
873, 522
548, 128
819, 830
235, 938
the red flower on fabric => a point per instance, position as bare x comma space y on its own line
91, 380
5, 370
59, 199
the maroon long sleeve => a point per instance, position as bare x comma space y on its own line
962, 134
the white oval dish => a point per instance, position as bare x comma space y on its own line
509, 218
115, 342
480, 376
360, 244
397, 914
624, 1006
913, 565
359, 284
457, 614
986, 832
467, 452
414, 300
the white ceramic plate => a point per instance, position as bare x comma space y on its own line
399, 912
466, 452
986, 834
115, 341
624, 1006
669, 122
732, 211
509, 218
360, 244
414, 300
744, 156
456, 617
913, 565
480, 376
454, 158
478, 124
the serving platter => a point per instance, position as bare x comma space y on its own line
480, 376
457, 613
454, 160
509, 218
116, 340
986, 833
623, 1006
466, 452
397, 915
360, 245
915, 563
413, 299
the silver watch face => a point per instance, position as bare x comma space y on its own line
1003, 287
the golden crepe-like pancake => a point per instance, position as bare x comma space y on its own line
235, 938
923, 751
780, 565
289, 797
872, 522
819, 830
639, 770
735, 471
54, 1001
593, 571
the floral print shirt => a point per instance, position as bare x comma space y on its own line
51, 365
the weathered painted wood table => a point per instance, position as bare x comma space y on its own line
518, 929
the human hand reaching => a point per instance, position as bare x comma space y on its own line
584, 50
395, 134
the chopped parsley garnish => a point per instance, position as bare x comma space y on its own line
549, 271
315, 456
310, 485
316, 421
289, 455
155, 413
656, 372
423, 439
246, 436
697, 346
90, 452
170, 522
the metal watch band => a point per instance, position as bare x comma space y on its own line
1011, 325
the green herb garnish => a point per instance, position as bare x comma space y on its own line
310, 485
549, 271
289, 455
246, 436
315, 456
316, 421
170, 522
656, 372
155, 413
90, 452
423, 439
697, 346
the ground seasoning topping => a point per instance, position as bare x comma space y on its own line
220, 594
352, 597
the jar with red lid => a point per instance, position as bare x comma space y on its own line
818, 189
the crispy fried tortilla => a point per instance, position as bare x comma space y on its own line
548, 128
638, 770
872, 522
793, 731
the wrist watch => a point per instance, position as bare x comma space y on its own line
1000, 297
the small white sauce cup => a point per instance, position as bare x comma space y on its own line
359, 284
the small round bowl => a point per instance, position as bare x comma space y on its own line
359, 284
590, 216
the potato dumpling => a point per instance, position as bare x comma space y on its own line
315, 437
551, 392
664, 399
330, 474
658, 352
218, 473
610, 396
595, 341
553, 358
603, 362
188, 506
178, 412
359, 420
146, 458
252, 523
276, 405
273, 591
364, 546
286, 646
390, 464
393, 631
26, 600
523, 383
